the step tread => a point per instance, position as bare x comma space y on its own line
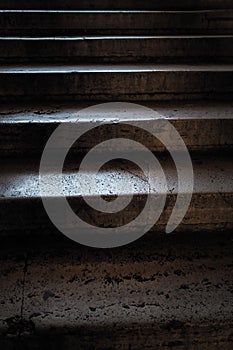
113, 11
210, 208
55, 113
19, 178
109, 68
203, 125
114, 37
178, 284
119, 11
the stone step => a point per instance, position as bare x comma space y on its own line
210, 208
112, 49
116, 82
116, 5
161, 293
47, 23
204, 126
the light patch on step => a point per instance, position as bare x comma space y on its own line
57, 148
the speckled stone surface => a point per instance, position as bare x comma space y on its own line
211, 205
166, 292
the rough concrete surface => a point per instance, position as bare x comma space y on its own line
39, 22
204, 126
116, 82
163, 291
170, 292
211, 205
117, 49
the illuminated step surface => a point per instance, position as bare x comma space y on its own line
211, 206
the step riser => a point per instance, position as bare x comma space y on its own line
117, 50
207, 211
118, 5
18, 139
105, 86
83, 23
117, 338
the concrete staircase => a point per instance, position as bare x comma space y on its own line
163, 291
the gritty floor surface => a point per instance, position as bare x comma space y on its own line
20, 178
160, 292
